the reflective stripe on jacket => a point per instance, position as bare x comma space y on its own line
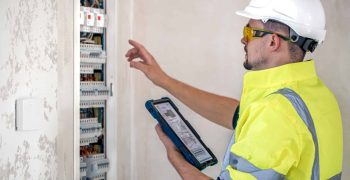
286, 113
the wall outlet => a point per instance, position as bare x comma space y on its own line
29, 114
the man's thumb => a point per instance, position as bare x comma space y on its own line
138, 65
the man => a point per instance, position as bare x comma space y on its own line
287, 123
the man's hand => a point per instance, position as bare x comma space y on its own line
147, 64
218, 109
171, 149
185, 169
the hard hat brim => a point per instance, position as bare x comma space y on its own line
246, 14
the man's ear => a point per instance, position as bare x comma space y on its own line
274, 42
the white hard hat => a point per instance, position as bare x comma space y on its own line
305, 17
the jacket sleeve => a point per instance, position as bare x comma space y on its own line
267, 142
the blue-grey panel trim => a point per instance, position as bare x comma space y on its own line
244, 165
304, 113
225, 175
336, 177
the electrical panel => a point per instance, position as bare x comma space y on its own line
94, 92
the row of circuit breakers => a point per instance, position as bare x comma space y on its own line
93, 90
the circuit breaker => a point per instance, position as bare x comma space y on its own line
94, 92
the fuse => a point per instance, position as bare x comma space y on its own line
90, 19
83, 167
100, 20
97, 164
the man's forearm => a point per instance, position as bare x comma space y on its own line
185, 169
218, 109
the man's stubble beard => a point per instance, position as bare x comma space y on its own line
257, 64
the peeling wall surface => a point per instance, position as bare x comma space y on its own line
28, 68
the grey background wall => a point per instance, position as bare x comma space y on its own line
195, 41
333, 65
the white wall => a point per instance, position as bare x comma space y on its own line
194, 41
28, 68
65, 95
198, 42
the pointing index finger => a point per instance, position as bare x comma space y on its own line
135, 44
141, 51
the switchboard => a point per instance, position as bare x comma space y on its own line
94, 93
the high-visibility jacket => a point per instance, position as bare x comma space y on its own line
289, 127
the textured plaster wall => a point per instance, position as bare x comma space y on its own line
28, 68
198, 42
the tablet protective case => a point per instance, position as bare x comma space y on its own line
189, 156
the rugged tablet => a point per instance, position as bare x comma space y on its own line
181, 133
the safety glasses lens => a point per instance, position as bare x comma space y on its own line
247, 33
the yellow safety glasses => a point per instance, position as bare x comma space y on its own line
250, 33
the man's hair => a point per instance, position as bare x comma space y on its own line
296, 53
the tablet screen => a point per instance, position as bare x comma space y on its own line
170, 115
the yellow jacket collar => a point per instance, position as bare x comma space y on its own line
280, 75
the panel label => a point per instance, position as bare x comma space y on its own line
82, 18
100, 20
